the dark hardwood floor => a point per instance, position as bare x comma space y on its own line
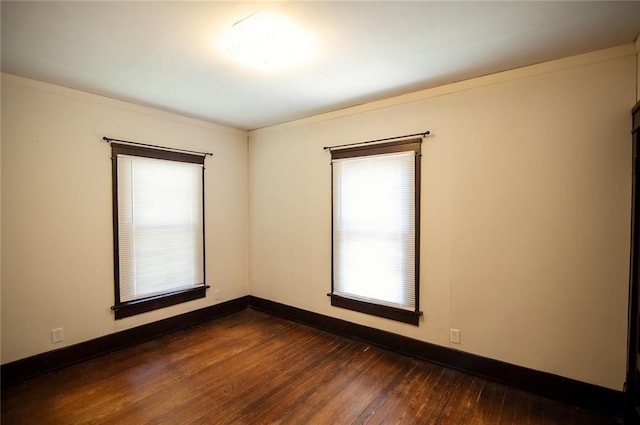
252, 368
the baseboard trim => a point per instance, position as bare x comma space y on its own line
21, 370
545, 384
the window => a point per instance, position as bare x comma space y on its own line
376, 203
158, 217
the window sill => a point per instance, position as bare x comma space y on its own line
131, 308
398, 314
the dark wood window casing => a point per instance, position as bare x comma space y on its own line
124, 309
373, 308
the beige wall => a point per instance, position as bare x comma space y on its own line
57, 250
525, 214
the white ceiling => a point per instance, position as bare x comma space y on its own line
164, 54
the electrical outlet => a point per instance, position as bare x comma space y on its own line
57, 335
216, 294
454, 336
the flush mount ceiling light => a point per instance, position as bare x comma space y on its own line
267, 41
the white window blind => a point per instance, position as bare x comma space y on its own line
374, 231
160, 226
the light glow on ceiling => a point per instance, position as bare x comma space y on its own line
268, 41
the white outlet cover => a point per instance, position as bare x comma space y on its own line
454, 336
57, 335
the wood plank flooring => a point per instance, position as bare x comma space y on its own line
253, 368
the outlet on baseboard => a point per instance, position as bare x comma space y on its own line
57, 335
454, 336
216, 294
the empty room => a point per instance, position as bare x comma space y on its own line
320, 212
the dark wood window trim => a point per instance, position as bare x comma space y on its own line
393, 313
124, 309
372, 308
143, 305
